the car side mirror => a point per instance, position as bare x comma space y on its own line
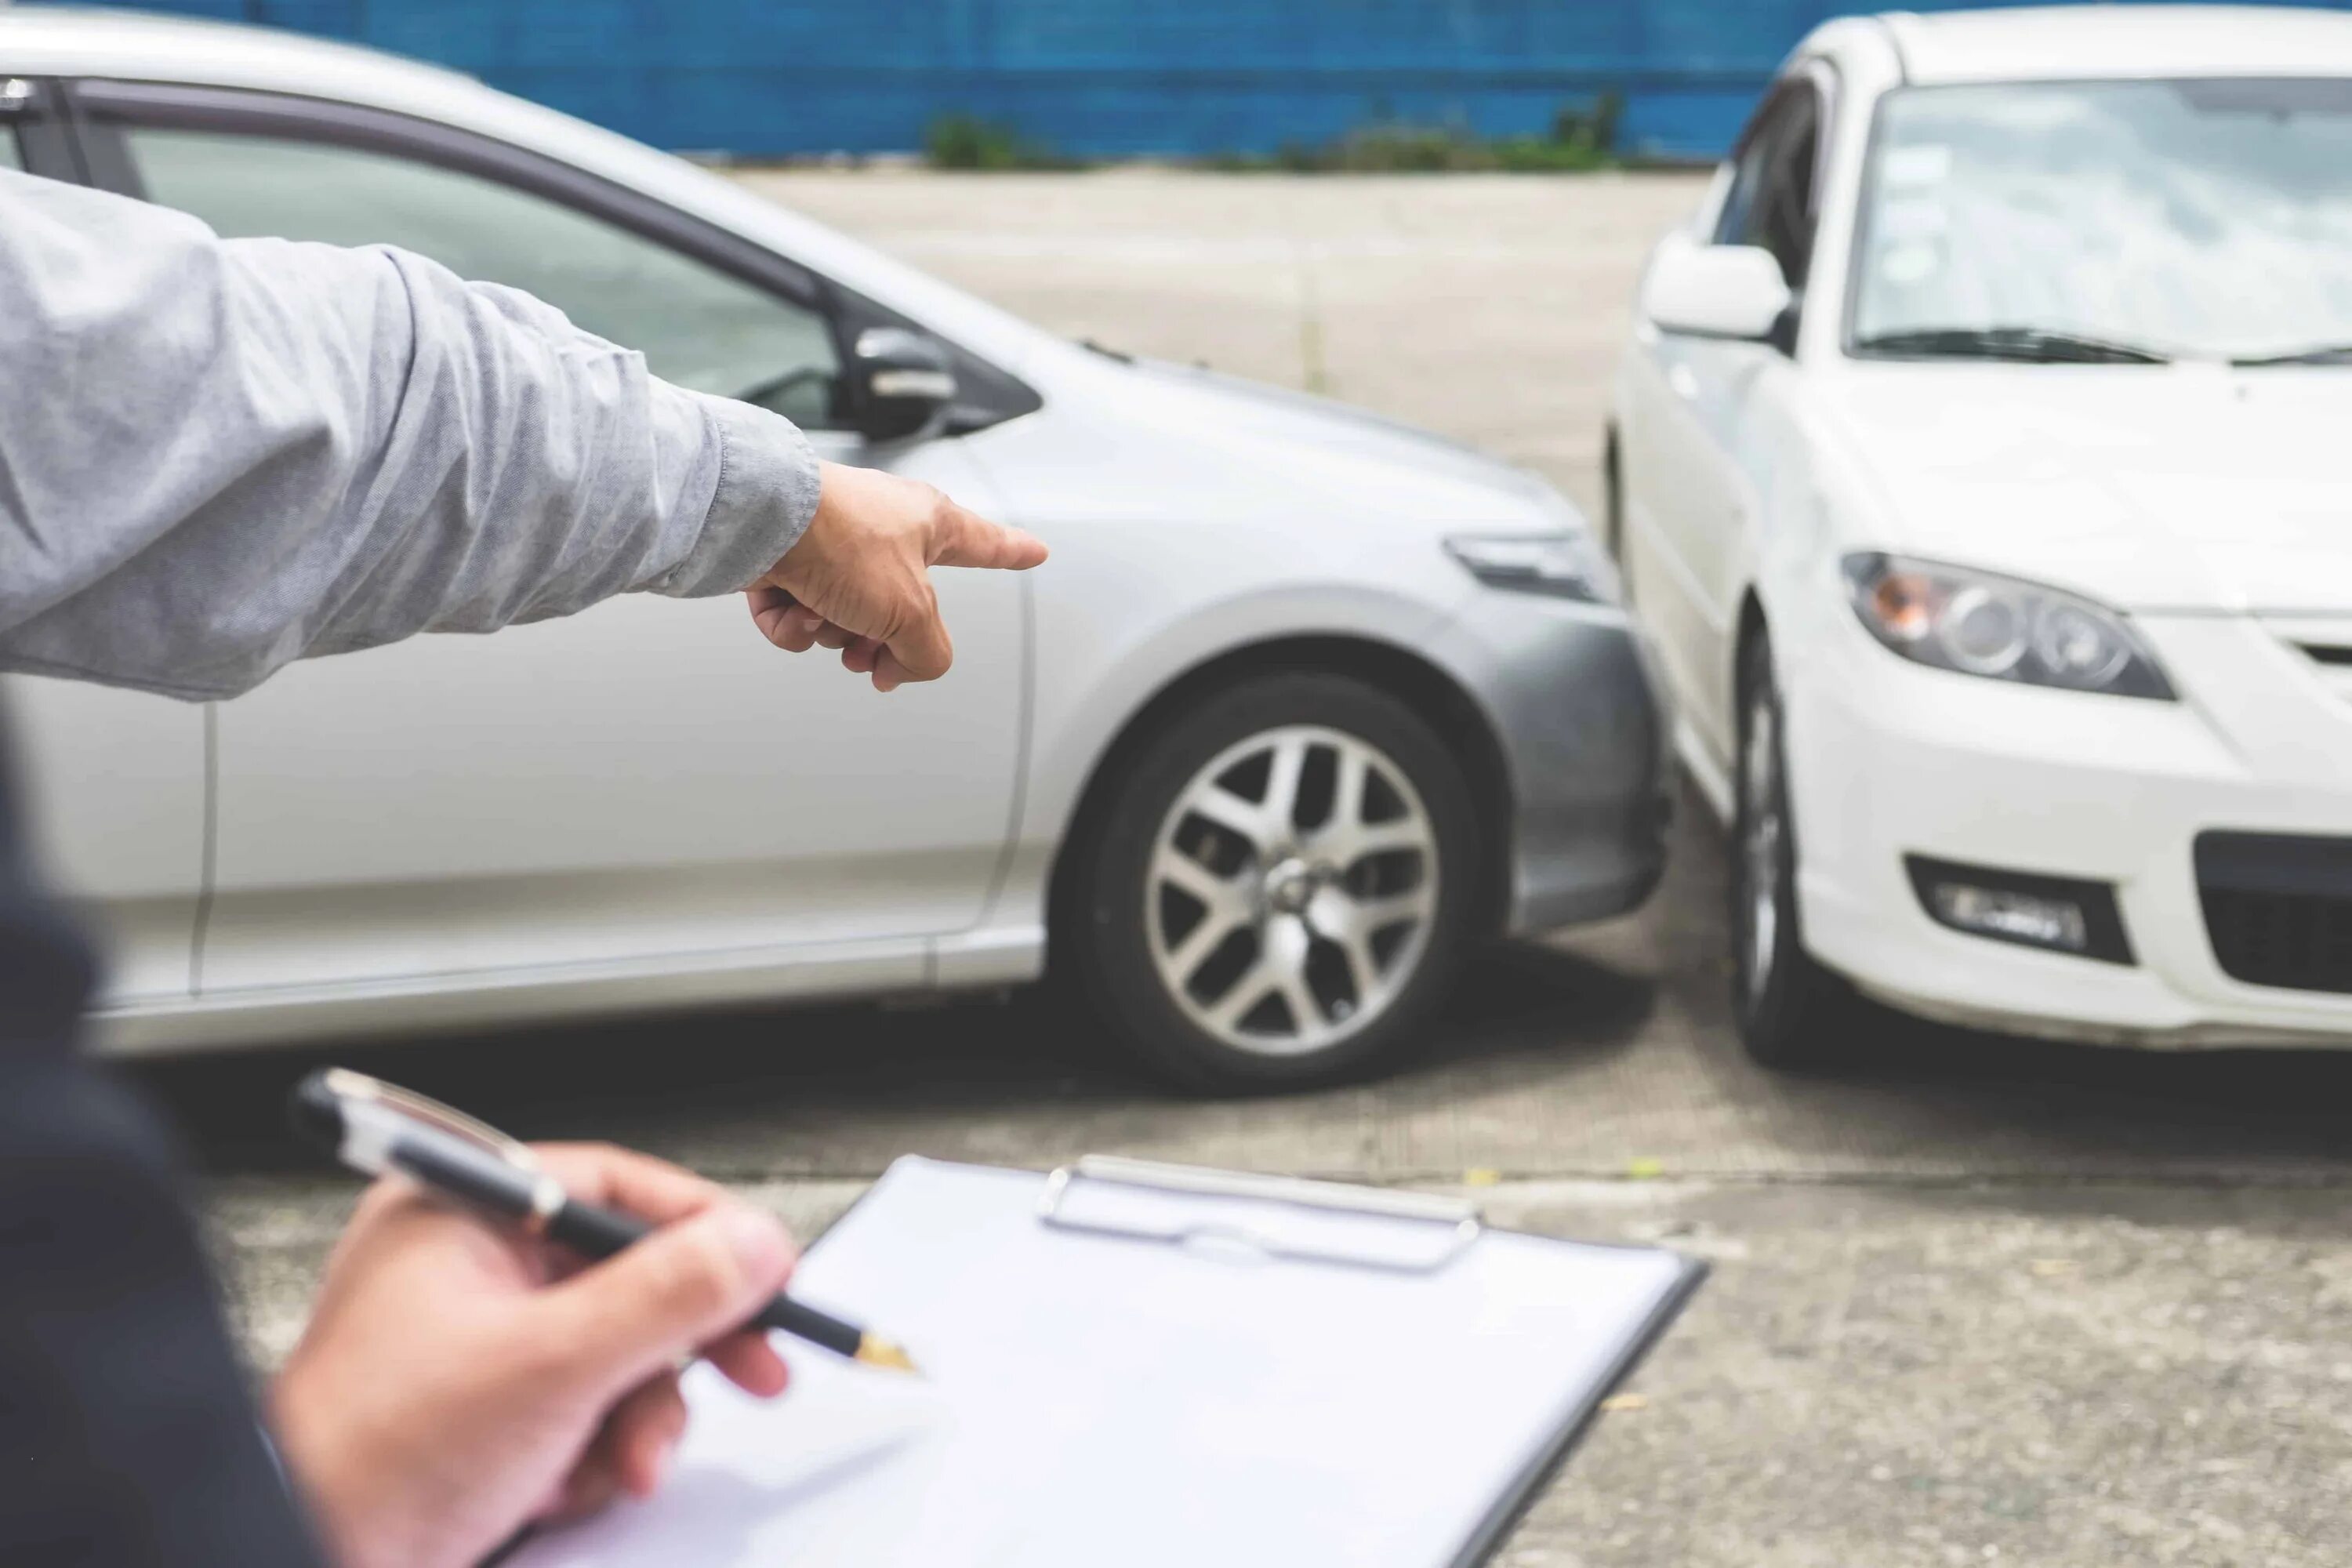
902, 382
1715, 291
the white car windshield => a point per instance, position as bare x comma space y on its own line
2120, 221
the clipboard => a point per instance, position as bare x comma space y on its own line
1149, 1364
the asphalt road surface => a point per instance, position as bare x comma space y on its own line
1974, 1299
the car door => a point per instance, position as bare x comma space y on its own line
1690, 460
645, 782
115, 779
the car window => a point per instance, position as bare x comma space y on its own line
1770, 203
2205, 217
696, 325
9, 157
1749, 161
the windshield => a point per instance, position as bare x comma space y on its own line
2199, 217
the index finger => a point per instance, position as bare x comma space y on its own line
623, 1179
967, 539
659, 1191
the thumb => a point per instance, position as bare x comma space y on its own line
967, 539
640, 1312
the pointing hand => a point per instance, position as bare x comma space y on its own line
859, 579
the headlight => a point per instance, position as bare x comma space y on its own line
1980, 624
1565, 565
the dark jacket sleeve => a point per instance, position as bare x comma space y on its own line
127, 1438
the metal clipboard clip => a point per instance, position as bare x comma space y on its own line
1282, 1218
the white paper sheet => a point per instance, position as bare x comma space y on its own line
1094, 1401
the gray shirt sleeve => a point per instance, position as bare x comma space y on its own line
217, 456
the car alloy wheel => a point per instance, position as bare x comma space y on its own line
1277, 886
1291, 889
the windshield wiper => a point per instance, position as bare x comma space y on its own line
2041, 346
2318, 354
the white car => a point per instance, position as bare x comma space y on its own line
1303, 705
1980, 466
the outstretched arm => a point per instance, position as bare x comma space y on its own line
220, 456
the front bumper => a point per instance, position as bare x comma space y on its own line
1887, 759
1570, 694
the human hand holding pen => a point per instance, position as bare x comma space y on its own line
859, 579
456, 1382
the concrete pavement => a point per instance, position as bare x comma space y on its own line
1976, 1301
1980, 1300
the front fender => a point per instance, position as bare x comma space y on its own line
1098, 664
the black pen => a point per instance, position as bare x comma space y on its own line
374, 1127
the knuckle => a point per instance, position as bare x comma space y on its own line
700, 1274
578, 1161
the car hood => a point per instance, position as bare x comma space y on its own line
1147, 439
1298, 419
2150, 488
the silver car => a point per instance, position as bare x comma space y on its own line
1304, 705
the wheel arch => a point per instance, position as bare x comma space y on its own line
1430, 691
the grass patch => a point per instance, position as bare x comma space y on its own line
1583, 136
969, 142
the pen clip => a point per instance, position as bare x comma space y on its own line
360, 1089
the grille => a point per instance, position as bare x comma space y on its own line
2278, 908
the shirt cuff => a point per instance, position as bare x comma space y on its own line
763, 501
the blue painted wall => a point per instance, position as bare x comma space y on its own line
1092, 77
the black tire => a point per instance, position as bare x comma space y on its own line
1793, 1013
1118, 910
